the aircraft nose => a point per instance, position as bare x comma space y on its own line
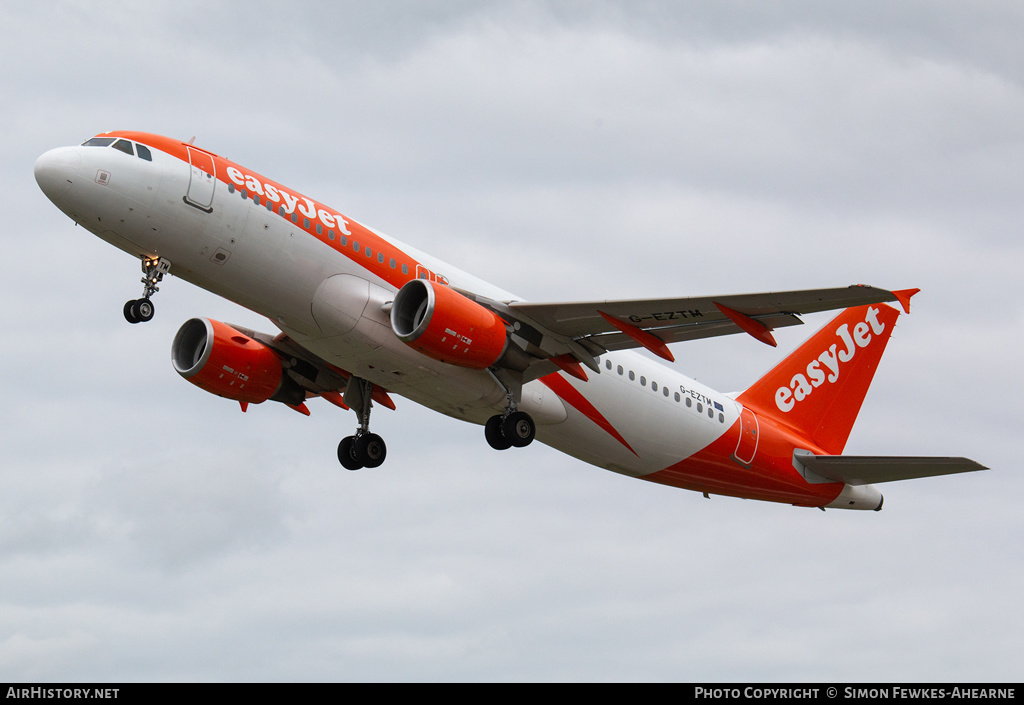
57, 170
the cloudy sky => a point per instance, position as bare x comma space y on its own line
562, 150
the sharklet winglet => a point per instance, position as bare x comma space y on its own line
903, 296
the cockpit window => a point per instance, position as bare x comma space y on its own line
124, 146
120, 145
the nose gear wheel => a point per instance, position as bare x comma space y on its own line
139, 311
153, 271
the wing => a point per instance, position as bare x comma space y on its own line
586, 330
315, 376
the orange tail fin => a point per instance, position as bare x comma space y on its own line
818, 390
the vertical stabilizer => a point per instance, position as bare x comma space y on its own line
818, 390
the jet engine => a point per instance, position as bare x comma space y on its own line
223, 361
445, 325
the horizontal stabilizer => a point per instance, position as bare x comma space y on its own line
872, 469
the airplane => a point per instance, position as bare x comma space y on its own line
363, 316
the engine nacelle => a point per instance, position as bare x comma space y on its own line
445, 325
223, 361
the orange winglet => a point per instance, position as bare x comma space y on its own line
244, 405
570, 366
903, 296
336, 399
652, 342
749, 325
301, 408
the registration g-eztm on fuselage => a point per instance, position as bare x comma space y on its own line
363, 317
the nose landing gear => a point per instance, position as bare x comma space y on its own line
138, 311
153, 271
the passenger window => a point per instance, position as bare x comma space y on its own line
393, 263
654, 386
607, 364
98, 142
144, 152
405, 269
632, 376
124, 146
620, 370
664, 390
643, 381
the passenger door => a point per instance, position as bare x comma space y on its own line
202, 179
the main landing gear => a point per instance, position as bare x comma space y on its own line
360, 451
511, 428
153, 271
364, 449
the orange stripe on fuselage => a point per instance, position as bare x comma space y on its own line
560, 386
310, 213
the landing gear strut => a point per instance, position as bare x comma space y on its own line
511, 428
153, 271
364, 449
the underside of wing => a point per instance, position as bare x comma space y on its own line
615, 325
874, 469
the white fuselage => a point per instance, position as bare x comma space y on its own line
240, 249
